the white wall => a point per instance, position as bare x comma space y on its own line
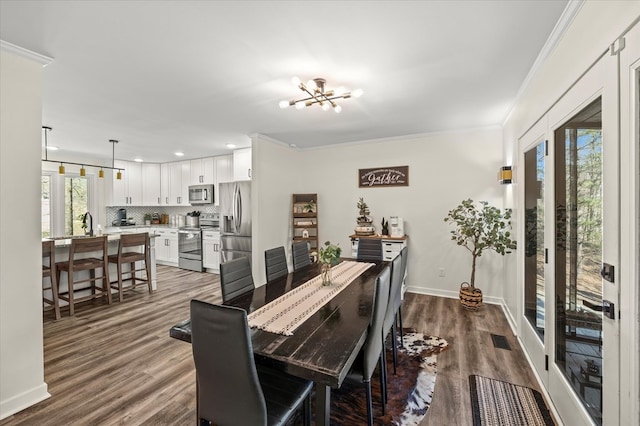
21, 342
444, 169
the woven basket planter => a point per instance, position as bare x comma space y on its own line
470, 299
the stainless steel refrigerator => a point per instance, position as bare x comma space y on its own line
235, 220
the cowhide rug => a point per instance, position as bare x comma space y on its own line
410, 391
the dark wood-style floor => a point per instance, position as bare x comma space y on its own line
117, 364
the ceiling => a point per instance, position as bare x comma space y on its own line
163, 76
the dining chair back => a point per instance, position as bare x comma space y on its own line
395, 298
275, 262
372, 351
231, 390
369, 249
235, 278
404, 253
300, 254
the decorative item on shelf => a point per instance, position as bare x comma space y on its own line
505, 175
305, 233
310, 207
328, 256
385, 227
147, 218
365, 225
155, 218
318, 94
478, 228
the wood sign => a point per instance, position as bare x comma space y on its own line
384, 176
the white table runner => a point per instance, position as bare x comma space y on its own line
286, 313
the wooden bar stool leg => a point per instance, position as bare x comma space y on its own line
120, 290
106, 285
54, 292
70, 292
147, 267
132, 265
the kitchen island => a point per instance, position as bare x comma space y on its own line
63, 244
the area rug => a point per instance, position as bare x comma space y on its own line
410, 391
495, 402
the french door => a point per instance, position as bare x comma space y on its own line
570, 218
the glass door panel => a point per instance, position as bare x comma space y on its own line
534, 253
578, 254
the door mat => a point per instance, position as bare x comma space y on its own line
495, 402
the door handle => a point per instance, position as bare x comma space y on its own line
608, 308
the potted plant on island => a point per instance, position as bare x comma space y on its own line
479, 227
328, 256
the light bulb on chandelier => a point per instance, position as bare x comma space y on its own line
319, 95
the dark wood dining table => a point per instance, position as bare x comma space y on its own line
324, 347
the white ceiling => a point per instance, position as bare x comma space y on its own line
161, 76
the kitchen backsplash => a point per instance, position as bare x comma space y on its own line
137, 213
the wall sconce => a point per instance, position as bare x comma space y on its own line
505, 175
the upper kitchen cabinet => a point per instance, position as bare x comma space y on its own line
223, 166
174, 186
242, 164
127, 191
151, 193
202, 171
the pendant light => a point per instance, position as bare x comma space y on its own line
83, 171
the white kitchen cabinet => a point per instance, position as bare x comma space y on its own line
211, 250
127, 191
223, 166
202, 171
167, 246
151, 184
174, 183
242, 164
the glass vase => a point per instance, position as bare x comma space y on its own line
326, 274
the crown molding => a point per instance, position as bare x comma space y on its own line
43, 60
564, 22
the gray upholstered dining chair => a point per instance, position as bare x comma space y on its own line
235, 278
369, 249
398, 302
275, 263
300, 254
372, 351
395, 298
231, 389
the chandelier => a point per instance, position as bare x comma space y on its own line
318, 94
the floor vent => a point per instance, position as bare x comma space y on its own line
500, 342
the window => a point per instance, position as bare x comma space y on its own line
65, 200
75, 204
46, 206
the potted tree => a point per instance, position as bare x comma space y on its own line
479, 227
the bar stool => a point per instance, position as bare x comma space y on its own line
127, 254
49, 270
93, 256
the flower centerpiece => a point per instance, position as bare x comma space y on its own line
328, 256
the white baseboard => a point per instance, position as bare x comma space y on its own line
452, 294
24, 400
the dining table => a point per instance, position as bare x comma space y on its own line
323, 347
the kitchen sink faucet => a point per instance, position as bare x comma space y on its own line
84, 224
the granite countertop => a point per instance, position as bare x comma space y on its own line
66, 241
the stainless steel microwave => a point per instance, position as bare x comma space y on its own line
200, 194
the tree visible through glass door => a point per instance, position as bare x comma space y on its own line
578, 250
